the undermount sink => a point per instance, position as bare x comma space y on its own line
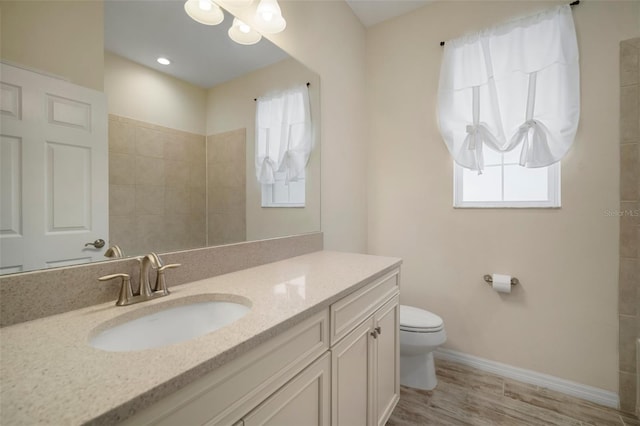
172, 324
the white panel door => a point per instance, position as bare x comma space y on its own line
54, 172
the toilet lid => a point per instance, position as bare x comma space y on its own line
416, 319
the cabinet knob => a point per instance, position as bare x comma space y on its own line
374, 333
378, 330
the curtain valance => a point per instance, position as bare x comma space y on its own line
283, 134
516, 85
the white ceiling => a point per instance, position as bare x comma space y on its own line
371, 12
203, 55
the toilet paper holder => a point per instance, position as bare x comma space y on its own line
489, 280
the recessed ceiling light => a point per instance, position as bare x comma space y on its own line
163, 61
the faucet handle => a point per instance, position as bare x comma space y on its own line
169, 266
125, 288
161, 283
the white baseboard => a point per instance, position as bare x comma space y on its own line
590, 393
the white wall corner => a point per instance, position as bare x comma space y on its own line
568, 387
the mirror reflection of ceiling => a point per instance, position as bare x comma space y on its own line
203, 55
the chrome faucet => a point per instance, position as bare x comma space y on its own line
145, 292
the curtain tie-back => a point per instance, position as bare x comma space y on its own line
472, 130
293, 163
477, 136
535, 152
527, 125
267, 171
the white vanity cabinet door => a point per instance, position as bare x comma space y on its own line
352, 377
366, 370
387, 383
304, 401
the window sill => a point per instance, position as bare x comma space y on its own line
489, 205
279, 206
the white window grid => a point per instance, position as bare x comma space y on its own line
553, 199
281, 194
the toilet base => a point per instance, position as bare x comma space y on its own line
418, 371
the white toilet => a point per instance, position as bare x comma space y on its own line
421, 332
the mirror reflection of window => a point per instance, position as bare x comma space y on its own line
283, 146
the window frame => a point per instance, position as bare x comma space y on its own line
554, 200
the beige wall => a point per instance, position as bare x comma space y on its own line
144, 94
231, 106
64, 38
562, 319
327, 37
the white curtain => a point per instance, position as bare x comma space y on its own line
514, 86
283, 134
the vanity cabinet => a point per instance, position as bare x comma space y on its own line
338, 367
365, 363
228, 393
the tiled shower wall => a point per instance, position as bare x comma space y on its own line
157, 187
629, 282
226, 174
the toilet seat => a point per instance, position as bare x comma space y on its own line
418, 320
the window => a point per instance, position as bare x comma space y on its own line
509, 107
504, 183
281, 194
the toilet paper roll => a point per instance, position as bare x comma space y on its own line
501, 283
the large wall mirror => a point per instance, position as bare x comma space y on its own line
99, 141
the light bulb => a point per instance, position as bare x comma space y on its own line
242, 33
269, 18
204, 11
205, 5
163, 61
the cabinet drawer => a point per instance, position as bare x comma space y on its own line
350, 311
224, 395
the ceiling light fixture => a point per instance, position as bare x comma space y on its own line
163, 61
269, 17
242, 33
204, 11
239, 3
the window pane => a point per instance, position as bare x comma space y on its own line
296, 192
484, 187
523, 184
280, 192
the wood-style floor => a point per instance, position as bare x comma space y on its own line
466, 396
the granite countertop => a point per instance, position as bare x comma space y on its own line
50, 375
